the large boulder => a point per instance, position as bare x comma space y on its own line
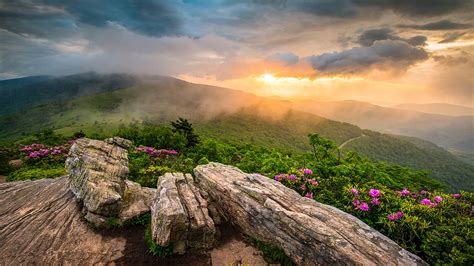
97, 176
309, 232
180, 216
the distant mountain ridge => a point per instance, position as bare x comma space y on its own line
438, 108
225, 114
447, 131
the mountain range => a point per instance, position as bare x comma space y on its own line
101, 103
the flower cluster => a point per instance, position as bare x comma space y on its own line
395, 216
373, 193
37, 151
302, 182
405, 192
154, 153
428, 202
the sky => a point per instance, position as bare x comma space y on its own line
380, 51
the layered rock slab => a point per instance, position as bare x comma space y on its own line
180, 216
309, 232
40, 222
97, 176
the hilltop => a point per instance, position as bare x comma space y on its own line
101, 104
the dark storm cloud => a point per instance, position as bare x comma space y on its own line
25, 18
153, 18
386, 54
439, 25
426, 8
56, 19
352, 8
368, 37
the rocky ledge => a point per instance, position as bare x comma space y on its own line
47, 221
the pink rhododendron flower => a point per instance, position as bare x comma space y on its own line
393, 217
354, 191
374, 193
356, 202
426, 202
375, 201
457, 195
404, 192
309, 195
291, 177
303, 187
278, 178
438, 199
307, 171
364, 207
313, 182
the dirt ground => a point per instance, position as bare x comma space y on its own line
231, 249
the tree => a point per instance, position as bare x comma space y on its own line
79, 134
321, 147
182, 126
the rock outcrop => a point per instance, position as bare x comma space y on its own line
309, 232
180, 216
97, 177
40, 223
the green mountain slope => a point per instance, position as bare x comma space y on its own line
227, 115
18, 94
417, 154
450, 132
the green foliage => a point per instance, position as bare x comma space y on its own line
143, 219
416, 154
439, 234
79, 134
271, 254
28, 173
7, 154
162, 137
155, 249
113, 222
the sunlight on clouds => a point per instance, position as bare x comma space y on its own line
433, 46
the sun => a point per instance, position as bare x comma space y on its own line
267, 77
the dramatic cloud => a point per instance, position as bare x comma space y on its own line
386, 54
439, 25
451, 37
367, 38
50, 18
426, 8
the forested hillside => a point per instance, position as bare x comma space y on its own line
228, 115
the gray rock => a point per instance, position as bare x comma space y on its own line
97, 177
121, 142
180, 216
309, 232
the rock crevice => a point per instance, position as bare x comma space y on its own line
180, 216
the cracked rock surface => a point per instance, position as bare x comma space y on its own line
180, 216
309, 232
